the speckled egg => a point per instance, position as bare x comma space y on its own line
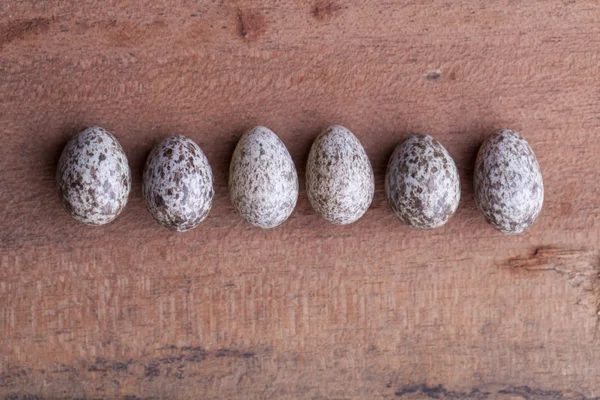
422, 183
339, 176
178, 184
93, 177
263, 183
509, 189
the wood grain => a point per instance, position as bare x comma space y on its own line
307, 310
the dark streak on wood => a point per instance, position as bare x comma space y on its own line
103, 365
440, 392
22, 29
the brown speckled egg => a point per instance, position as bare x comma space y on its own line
178, 184
422, 183
509, 189
93, 177
263, 183
339, 176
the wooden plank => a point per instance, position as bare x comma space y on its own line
307, 310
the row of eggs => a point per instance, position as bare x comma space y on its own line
422, 183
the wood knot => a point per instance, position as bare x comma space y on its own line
324, 10
251, 24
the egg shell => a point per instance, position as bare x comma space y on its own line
508, 186
263, 182
93, 177
339, 176
178, 184
422, 183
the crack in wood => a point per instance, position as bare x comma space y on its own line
577, 265
580, 266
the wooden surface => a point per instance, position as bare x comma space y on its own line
307, 310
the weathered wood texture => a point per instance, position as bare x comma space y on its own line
307, 310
